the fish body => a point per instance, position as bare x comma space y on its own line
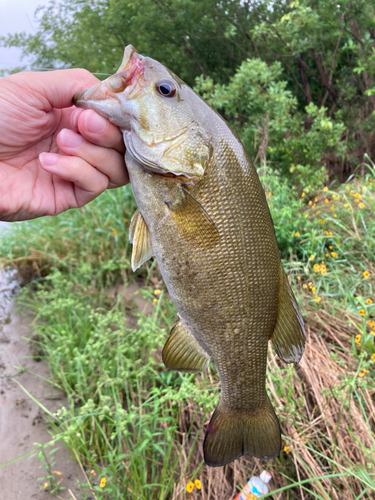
203, 214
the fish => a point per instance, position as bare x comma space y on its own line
203, 214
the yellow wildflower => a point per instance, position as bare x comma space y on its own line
325, 189
373, 357
297, 234
366, 274
347, 188
269, 194
310, 202
318, 212
326, 201
157, 292
317, 299
332, 208
368, 302
311, 257
372, 332
334, 254
316, 199
45, 485
302, 195
299, 278
357, 339
326, 254
362, 312
190, 487
324, 271
346, 205
310, 285
330, 248
198, 484
371, 323
335, 216
92, 472
154, 301
304, 286
313, 290
316, 268
102, 482
361, 205
287, 449
114, 231
363, 373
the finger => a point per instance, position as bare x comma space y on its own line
88, 181
108, 161
60, 86
98, 130
74, 118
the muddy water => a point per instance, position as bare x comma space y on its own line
21, 422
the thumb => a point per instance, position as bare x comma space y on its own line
52, 89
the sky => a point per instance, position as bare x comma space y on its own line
16, 16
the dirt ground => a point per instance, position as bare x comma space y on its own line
21, 421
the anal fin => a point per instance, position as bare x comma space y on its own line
288, 338
139, 236
183, 353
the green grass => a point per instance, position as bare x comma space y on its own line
141, 427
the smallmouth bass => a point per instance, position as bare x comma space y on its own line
203, 214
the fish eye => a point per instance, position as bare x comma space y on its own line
166, 88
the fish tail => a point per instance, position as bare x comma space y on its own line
231, 434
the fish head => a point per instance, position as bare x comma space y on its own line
155, 110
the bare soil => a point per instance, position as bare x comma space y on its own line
21, 420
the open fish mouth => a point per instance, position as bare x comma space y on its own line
126, 80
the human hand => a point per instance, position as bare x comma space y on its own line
53, 156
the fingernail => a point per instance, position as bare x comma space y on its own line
70, 139
95, 123
75, 116
48, 159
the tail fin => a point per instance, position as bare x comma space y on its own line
232, 434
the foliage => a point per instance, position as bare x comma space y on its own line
93, 33
320, 54
139, 427
264, 114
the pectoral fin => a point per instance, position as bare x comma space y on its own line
183, 353
288, 338
192, 220
139, 235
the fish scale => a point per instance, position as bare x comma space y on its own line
203, 214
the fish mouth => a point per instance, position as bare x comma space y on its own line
126, 79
